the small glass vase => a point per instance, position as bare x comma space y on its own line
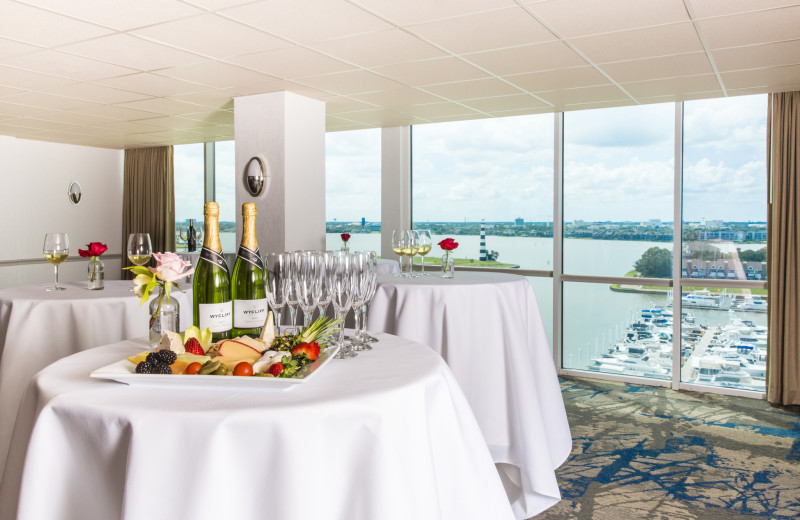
96, 273
448, 266
165, 314
345, 247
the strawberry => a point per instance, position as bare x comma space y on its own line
310, 350
193, 347
276, 369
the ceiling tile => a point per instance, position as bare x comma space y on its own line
74, 118
39, 124
572, 18
430, 72
528, 58
468, 33
642, 43
12, 48
761, 77
665, 86
216, 117
406, 13
441, 109
25, 79
346, 83
503, 103
374, 116
291, 62
135, 53
121, 16
593, 94
66, 65
216, 74
478, 88
28, 24
95, 93
379, 48
177, 122
129, 126
343, 104
307, 22
160, 106
9, 91
709, 8
8, 110
757, 56
556, 79
152, 84
217, 98
398, 97
752, 28
661, 67
39, 99
116, 114
215, 5
221, 37
787, 87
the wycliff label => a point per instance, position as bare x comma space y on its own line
213, 257
251, 257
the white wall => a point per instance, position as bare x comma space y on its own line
34, 177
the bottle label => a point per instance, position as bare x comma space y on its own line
249, 314
209, 255
216, 316
250, 256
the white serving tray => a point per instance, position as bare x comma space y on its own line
124, 371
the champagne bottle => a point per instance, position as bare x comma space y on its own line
211, 288
191, 241
248, 283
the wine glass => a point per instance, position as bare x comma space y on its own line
306, 281
290, 287
401, 247
275, 265
364, 275
425, 243
342, 298
140, 248
373, 260
56, 250
324, 282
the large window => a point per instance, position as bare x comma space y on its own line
353, 189
189, 181
225, 193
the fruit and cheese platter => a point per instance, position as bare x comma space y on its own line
191, 359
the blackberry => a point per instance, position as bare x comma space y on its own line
153, 358
161, 368
167, 357
144, 368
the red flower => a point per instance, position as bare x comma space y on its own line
93, 249
448, 244
345, 237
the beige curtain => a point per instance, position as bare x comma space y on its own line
149, 197
783, 255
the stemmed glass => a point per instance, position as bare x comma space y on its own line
275, 264
306, 281
365, 277
139, 248
364, 336
413, 249
56, 250
425, 243
342, 298
290, 287
323, 286
401, 245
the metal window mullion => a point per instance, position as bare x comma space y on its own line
558, 237
677, 247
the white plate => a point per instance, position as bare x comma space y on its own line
124, 371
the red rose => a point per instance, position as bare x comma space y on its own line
448, 244
345, 237
93, 249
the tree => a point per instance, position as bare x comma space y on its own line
492, 256
656, 262
759, 255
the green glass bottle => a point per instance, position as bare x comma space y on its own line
211, 289
248, 283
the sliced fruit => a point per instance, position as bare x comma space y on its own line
138, 358
202, 336
179, 367
310, 350
191, 358
192, 346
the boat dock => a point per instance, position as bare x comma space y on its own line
699, 351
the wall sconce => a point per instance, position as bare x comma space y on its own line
257, 175
74, 193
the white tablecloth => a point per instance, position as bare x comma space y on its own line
38, 327
488, 328
388, 266
387, 435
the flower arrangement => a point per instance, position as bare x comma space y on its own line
169, 267
448, 244
345, 238
93, 251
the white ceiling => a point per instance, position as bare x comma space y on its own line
132, 73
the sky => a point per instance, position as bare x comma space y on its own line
618, 166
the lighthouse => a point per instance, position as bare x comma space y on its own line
484, 257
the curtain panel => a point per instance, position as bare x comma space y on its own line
149, 198
783, 254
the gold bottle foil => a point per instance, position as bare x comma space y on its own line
211, 236
249, 226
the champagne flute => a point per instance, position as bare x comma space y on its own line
275, 265
56, 250
324, 282
425, 243
342, 298
373, 260
290, 287
306, 281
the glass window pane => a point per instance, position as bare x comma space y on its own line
225, 193
189, 178
353, 189
612, 332
495, 172
725, 188
720, 346
618, 190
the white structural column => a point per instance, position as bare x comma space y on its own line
288, 131
395, 184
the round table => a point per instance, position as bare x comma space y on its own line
386, 435
38, 327
488, 328
388, 266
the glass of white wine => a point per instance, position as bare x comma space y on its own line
56, 250
140, 250
402, 248
412, 250
425, 243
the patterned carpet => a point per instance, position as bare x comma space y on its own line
646, 452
